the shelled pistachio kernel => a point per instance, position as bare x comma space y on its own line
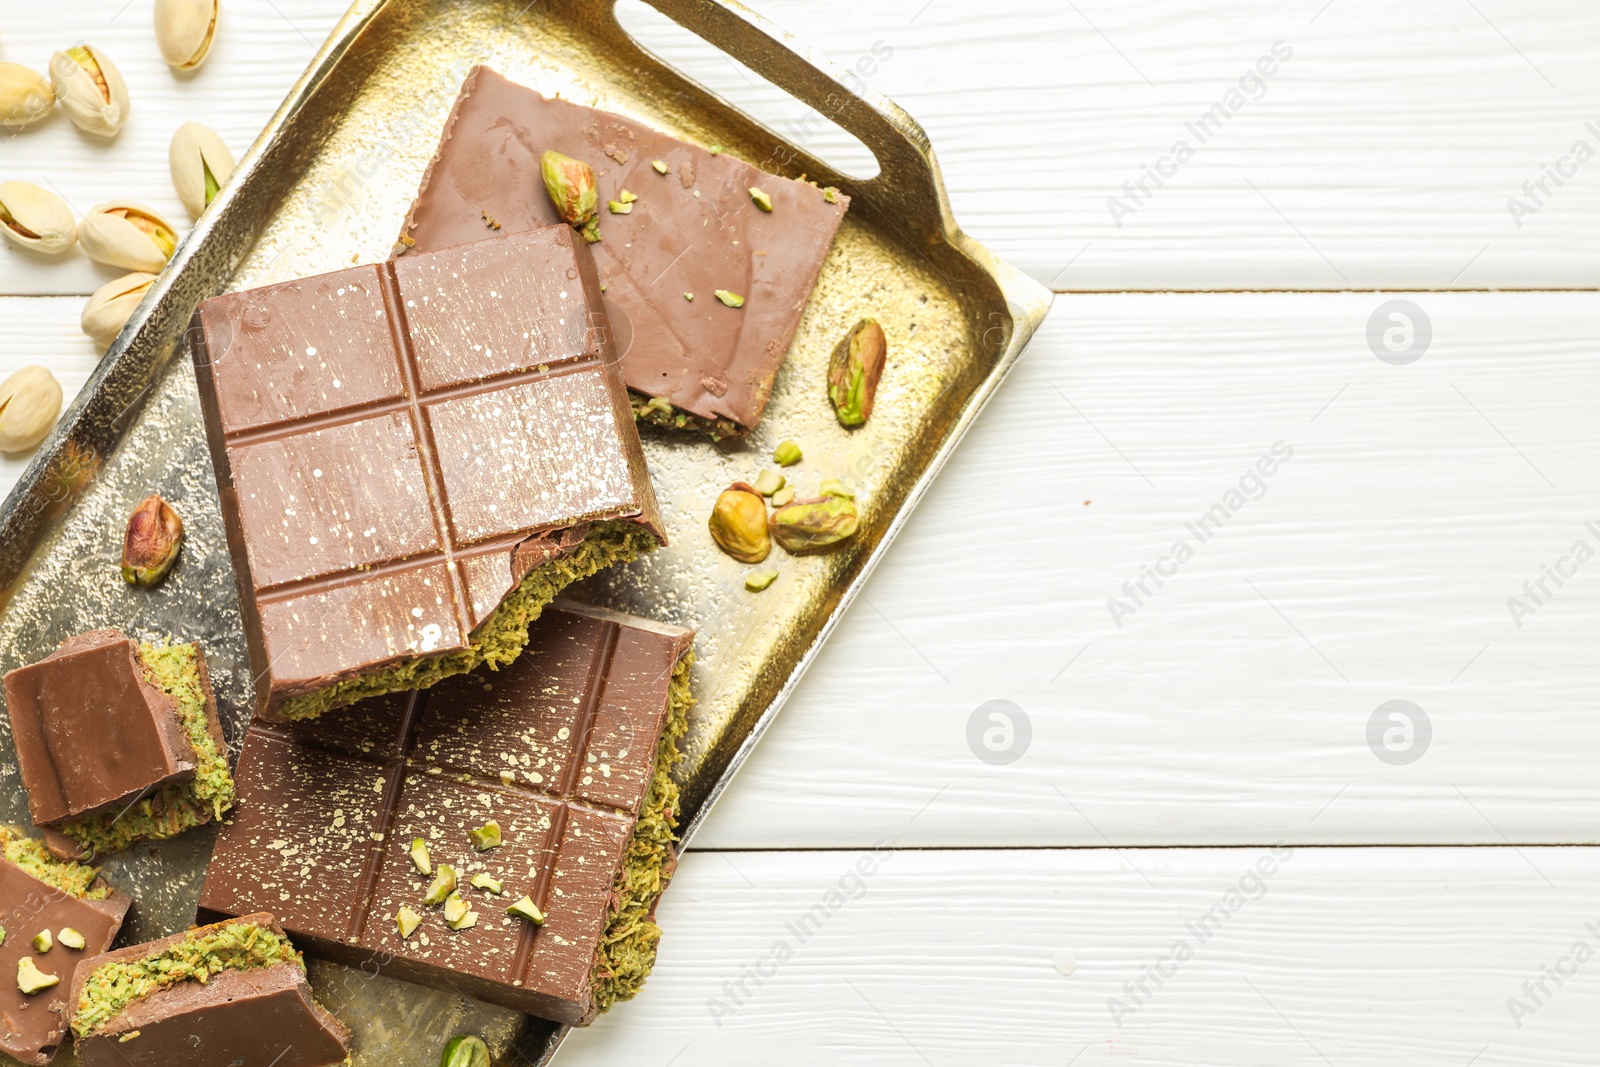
761, 199
658, 165
485, 880
32, 980
42, 941
407, 920
759, 580
786, 454
454, 908
730, 298
71, 938
486, 836
782, 496
444, 883
526, 909
420, 857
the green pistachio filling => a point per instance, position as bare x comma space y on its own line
71, 878
176, 806
501, 637
659, 412
628, 949
235, 947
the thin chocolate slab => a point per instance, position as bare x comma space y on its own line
693, 230
560, 749
92, 733
32, 1026
398, 445
258, 1017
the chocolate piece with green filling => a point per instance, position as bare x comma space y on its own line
569, 751
39, 892
118, 742
229, 995
415, 457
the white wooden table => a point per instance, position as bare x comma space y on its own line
1198, 857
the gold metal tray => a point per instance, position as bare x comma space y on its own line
326, 185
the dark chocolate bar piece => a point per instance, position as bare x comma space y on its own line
413, 458
568, 751
39, 892
693, 230
229, 995
117, 742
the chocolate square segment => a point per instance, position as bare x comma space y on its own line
559, 749
375, 428
694, 229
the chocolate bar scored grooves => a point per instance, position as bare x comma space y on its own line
594, 692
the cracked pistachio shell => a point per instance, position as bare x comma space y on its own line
36, 218
91, 89
184, 30
25, 97
123, 234
30, 403
200, 163
112, 305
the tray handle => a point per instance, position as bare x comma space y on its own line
908, 188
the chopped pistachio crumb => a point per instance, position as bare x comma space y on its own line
71, 938
732, 299
786, 454
129, 1036
783, 496
716, 150
620, 207
466, 922
659, 166
42, 941
627, 197
419, 855
486, 836
689, 297
762, 200
485, 880
527, 909
444, 883
454, 908
407, 920
759, 580
834, 487
32, 980
831, 195
2, 935
769, 482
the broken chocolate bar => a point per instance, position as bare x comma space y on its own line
413, 459
368, 832
82, 914
701, 221
118, 742
229, 995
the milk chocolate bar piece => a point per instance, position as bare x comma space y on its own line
413, 458
117, 742
694, 229
229, 995
39, 892
568, 751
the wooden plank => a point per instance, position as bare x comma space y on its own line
1403, 957
1367, 160
1231, 705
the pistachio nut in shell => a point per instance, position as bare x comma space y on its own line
815, 525
150, 546
127, 235
184, 31
90, 89
571, 185
854, 370
200, 163
739, 524
25, 97
112, 305
30, 403
36, 218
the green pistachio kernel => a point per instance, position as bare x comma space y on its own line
783, 496
659, 166
786, 454
444, 883
730, 298
486, 836
419, 855
30, 979
71, 938
465, 1051
761, 199
485, 880
527, 909
42, 941
769, 482
759, 580
407, 920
